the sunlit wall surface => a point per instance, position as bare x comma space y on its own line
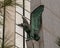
19, 20
19, 30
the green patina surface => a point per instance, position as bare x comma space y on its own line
36, 21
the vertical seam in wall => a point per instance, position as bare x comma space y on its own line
3, 25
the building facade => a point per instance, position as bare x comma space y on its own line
49, 33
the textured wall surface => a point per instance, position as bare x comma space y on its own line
10, 26
34, 4
51, 23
